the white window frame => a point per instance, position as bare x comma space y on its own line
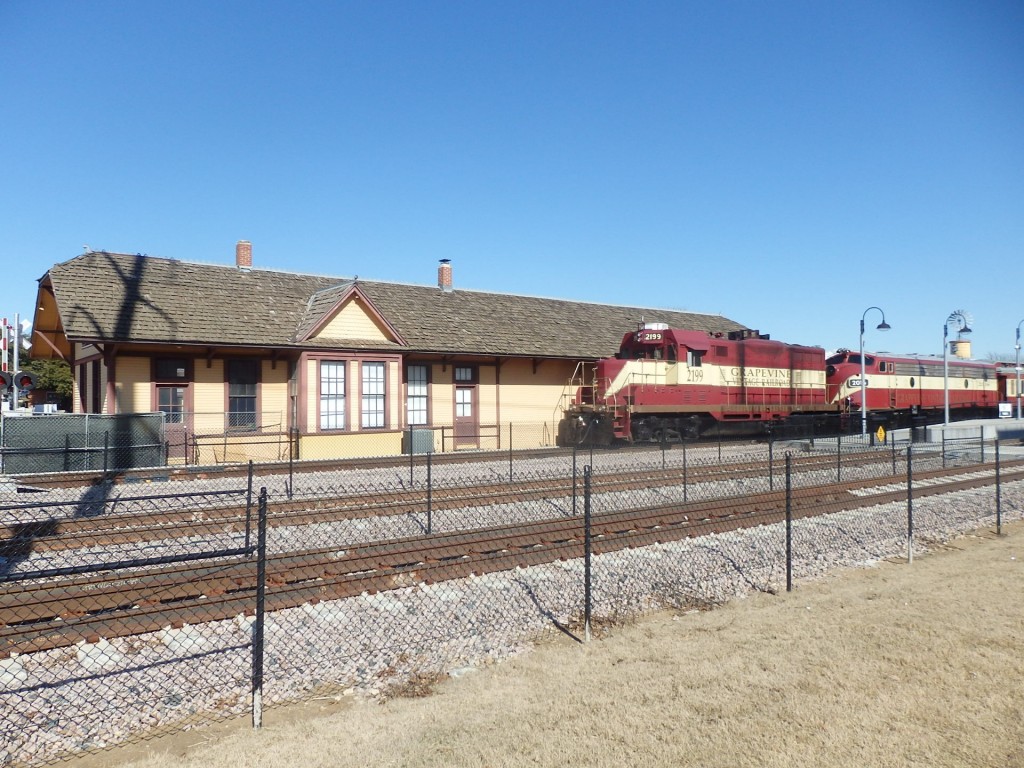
374, 395
417, 392
464, 403
332, 394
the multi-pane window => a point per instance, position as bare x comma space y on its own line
243, 376
464, 374
332, 395
373, 395
463, 403
416, 394
171, 400
172, 376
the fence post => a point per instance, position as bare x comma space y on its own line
684, 472
574, 480
586, 553
261, 595
771, 461
839, 458
944, 448
663, 448
789, 524
509, 450
999, 499
412, 465
893, 444
106, 453
430, 489
248, 508
291, 471
983, 443
910, 505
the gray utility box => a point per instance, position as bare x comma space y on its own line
418, 441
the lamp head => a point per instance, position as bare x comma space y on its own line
884, 326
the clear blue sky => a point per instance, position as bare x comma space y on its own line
785, 164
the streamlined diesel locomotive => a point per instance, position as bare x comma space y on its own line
668, 384
916, 384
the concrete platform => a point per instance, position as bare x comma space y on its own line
989, 429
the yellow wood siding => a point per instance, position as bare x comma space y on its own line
274, 395
487, 395
352, 321
350, 445
134, 391
208, 397
442, 394
530, 400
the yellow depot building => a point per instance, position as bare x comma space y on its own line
266, 364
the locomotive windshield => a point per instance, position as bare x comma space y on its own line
849, 357
647, 344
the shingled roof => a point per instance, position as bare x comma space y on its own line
111, 297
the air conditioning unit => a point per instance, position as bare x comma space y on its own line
418, 441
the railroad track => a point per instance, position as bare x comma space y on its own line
87, 479
235, 471
54, 613
75, 531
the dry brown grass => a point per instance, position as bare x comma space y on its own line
900, 665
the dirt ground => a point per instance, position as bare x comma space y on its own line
901, 664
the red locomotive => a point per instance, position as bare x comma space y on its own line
915, 384
668, 384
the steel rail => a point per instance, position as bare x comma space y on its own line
59, 613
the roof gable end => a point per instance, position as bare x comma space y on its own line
345, 312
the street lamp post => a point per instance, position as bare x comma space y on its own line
963, 326
1017, 365
882, 326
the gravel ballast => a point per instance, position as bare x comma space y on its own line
95, 695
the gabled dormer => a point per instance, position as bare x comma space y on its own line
344, 313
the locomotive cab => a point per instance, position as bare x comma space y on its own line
652, 341
842, 377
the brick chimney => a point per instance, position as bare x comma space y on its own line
243, 254
444, 275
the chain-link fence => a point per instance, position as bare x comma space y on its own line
172, 441
80, 442
134, 608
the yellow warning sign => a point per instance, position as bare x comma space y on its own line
880, 434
